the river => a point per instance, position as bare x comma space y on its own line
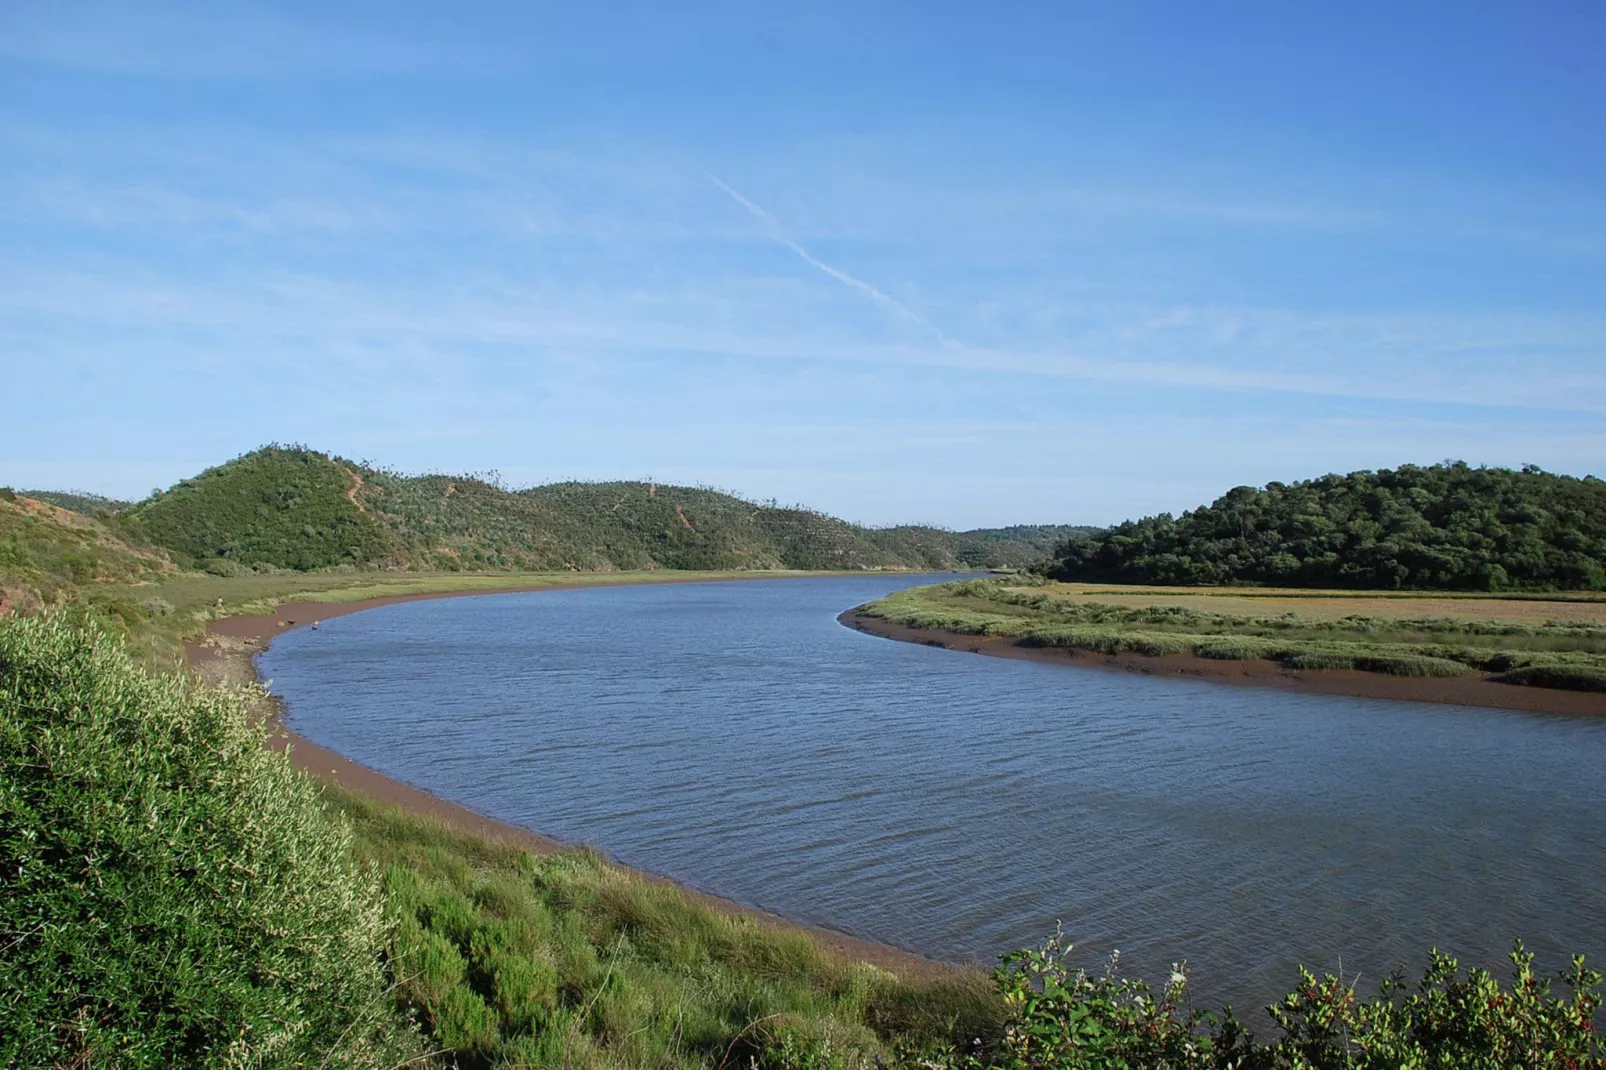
736, 737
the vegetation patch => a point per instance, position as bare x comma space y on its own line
1554, 654
513, 959
1567, 677
171, 893
49, 554
288, 507
1441, 527
282, 507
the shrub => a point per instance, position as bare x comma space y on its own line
1564, 677
1063, 1017
1233, 650
1319, 659
1409, 665
171, 893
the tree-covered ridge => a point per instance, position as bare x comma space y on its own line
285, 507
290, 507
78, 501
1447, 526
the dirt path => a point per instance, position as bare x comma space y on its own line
351, 492
225, 657
1456, 691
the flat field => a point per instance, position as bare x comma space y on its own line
1554, 641
1530, 609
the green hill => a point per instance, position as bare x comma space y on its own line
288, 508
46, 552
1449, 527
77, 501
293, 508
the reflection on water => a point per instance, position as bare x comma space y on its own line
735, 736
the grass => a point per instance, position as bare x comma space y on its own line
1483, 635
509, 958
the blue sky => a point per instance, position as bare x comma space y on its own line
969, 264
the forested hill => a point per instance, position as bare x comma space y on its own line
1446, 526
300, 509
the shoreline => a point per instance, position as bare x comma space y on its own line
227, 655
1468, 690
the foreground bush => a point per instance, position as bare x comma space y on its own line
171, 894
1063, 1017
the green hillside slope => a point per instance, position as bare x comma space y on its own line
299, 509
46, 552
77, 501
1447, 526
289, 508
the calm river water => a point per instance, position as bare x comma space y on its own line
735, 736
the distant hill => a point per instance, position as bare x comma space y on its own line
47, 551
77, 501
1448, 526
289, 507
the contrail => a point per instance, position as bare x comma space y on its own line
778, 233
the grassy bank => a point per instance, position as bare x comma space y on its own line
510, 958
1494, 637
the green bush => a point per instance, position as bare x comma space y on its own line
1565, 677
1409, 665
171, 893
1059, 1016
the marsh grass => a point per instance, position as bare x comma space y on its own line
1569, 653
564, 959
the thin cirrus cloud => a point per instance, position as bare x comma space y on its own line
1275, 352
774, 229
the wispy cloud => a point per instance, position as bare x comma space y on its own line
775, 231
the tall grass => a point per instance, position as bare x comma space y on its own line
515, 959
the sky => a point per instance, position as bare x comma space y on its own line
965, 264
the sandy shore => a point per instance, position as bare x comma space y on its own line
225, 657
1456, 691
